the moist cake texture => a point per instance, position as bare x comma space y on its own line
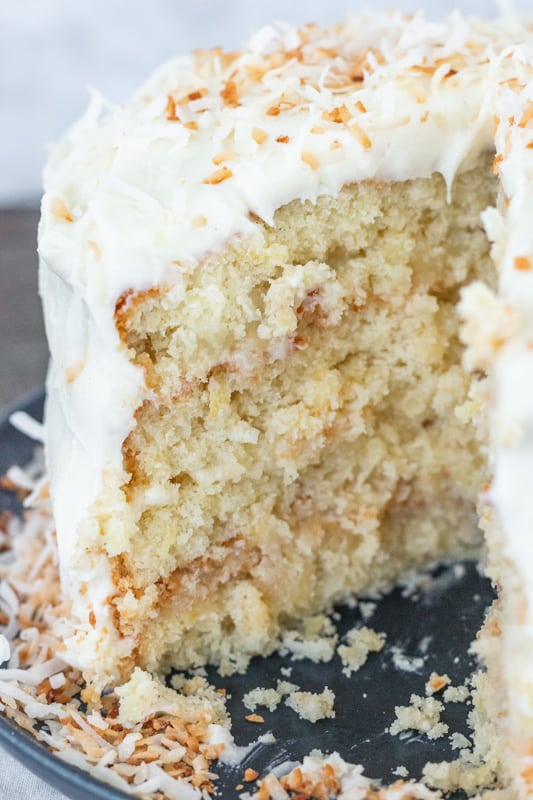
258, 399
324, 455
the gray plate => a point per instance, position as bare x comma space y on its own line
450, 612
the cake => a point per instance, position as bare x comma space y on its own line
259, 401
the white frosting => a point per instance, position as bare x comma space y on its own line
127, 207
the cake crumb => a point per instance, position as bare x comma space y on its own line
401, 772
143, 695
459, 742
436, 683
250, 775
367, 608
312, 706
315, 639
254, 718
286, 687
422, 715
269, 698
456, 694
360, 642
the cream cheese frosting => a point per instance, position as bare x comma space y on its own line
138, 195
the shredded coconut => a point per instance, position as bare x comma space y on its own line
27, 425
320, 776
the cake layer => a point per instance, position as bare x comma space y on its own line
326, 457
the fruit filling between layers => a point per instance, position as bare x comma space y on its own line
307, 432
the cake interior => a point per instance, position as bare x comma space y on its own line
308, 434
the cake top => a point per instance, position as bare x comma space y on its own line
213, 141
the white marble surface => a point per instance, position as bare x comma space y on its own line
51, 50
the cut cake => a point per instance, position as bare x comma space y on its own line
258, 399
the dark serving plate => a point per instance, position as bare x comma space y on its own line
435, 623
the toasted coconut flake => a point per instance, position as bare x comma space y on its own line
359, 134
310, 159
60, 210
423, 69
495, 169
230, 94
170, 110
436, 682
340, 115
97, 721
224, 155
522, 263
74, 371
254, 718
197, 94
527, 116
274, 788
218, 176
259, 135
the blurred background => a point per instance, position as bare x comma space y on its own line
50, 51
